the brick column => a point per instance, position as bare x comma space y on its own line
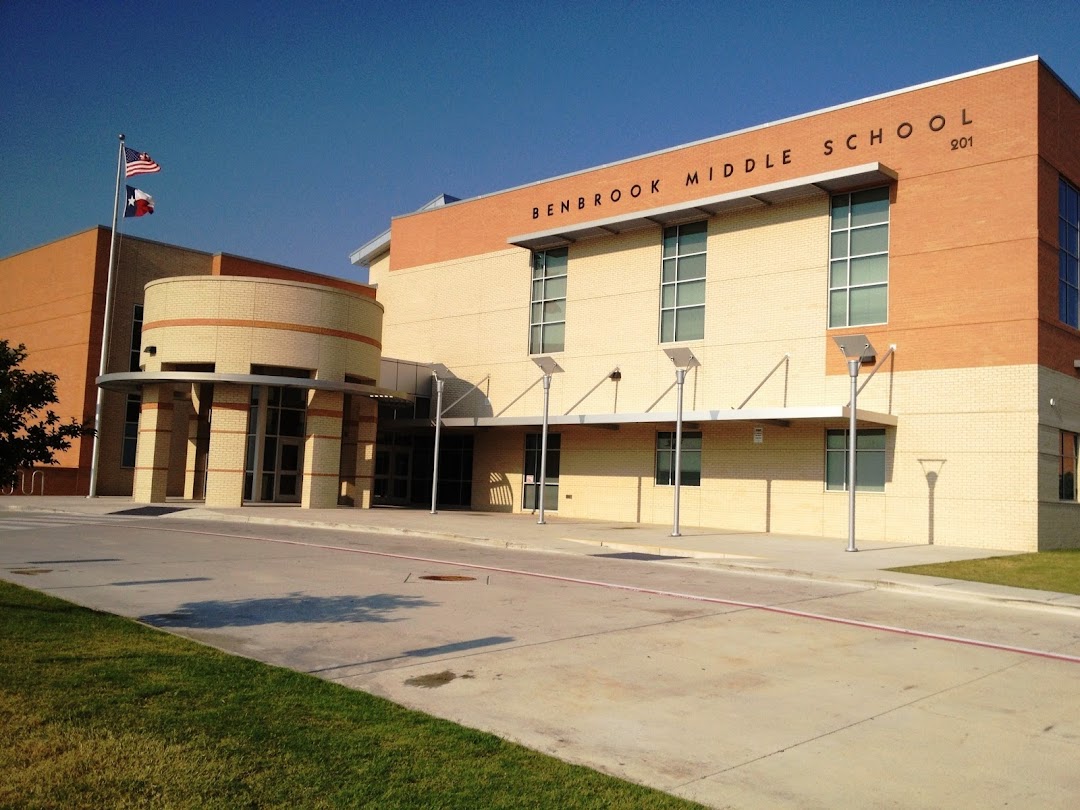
192, 444
195, 466
322, 450
228, 435
367, 418
155, 439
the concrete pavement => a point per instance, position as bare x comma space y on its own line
814, 558
805, 703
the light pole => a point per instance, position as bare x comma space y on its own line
683, 359
439, 373
549, 367
857, 349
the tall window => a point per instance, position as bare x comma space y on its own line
531, 489
1070, 445
136, 338
547, 321
859, 258
869, 460
682, 283
1068, 252
131, 430
690, 460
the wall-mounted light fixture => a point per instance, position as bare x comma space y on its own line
616, 375
151, 350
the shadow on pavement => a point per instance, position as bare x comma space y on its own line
291, 609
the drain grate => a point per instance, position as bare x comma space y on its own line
448, 578
151, 511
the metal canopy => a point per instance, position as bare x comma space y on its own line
819, 412
133, 380
801, 187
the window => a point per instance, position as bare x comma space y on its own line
690, 460
530, 490
1068, 253
136, 338
859, 258
547, 319
131, 430
1070, 444
869, 460
682, 283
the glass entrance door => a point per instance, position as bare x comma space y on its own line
289, 469
273, 469
393, 468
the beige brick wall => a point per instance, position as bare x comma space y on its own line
962, 464
235, 322
1059, 409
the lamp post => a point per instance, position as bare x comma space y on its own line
549, 367
857, 349
439, 373
683, 359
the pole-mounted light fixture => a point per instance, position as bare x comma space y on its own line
683, 359
858, 350
548, 366
439, 374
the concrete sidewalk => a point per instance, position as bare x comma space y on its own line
807, 557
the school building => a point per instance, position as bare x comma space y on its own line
939, 226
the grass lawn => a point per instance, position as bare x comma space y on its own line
99, 711
1046, 571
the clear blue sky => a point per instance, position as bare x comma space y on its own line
293, 131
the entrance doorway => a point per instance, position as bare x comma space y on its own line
288, 470
393, 468
403, 465
275, 445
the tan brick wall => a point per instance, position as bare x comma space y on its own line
235, 322
962, 475
967, 431
1059, 409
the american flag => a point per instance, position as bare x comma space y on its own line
139, 163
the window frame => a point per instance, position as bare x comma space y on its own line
849, 228
135, 347
1068, 460
531, 467
539, 321
676, 258
129, 439
1068, 253
863, 452
668, 454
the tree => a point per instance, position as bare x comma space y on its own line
26, 436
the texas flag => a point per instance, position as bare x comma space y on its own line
138, 203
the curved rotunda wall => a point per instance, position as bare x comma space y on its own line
237, 322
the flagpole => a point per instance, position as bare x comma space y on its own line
103, 365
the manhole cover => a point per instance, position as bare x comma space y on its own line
448, 578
